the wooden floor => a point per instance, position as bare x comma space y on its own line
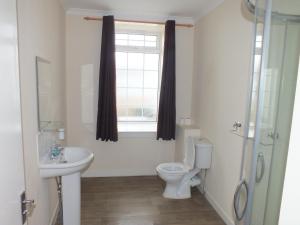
139, 201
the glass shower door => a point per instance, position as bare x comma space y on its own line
276, 64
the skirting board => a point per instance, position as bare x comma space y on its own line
55, 214
226, 218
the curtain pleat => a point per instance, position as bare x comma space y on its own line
107, 125
166, 124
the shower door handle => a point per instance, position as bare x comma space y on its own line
260, 160
239, 214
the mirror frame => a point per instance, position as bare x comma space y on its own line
37, 60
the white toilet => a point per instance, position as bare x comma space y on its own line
180, 177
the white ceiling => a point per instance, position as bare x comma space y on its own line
172, 8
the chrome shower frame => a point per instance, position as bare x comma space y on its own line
281, 16
266, 15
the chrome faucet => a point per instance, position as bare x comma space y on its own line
55, 151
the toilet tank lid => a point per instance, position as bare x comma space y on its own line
203, 142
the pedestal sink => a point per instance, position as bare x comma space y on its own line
69, 164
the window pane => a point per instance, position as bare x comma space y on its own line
255, 82
136, 43
121, 96
135, 60
151, 61
259, 38
121, 60
150, 38
151, 79
122, 111
121, 42
135, 78
135, 96
257, 62
150, 96
134, 113
121, 78
122, 36
136, 37
258, 44
150, 44
150, 113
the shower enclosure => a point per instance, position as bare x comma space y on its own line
275, 64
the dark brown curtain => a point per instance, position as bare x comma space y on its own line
107, 128
167, 106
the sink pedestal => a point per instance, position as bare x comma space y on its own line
71, 199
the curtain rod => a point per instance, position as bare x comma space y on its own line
138, 21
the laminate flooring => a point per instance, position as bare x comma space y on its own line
139, 201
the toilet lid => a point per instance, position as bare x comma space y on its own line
189, 158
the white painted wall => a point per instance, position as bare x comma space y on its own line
41, 33
220, 86
138, 154
289, 213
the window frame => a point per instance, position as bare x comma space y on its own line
143, 125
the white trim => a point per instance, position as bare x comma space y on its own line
225, 217
136, 16
137, 134
54, 214
119, 173
208, 9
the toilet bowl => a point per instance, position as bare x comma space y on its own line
173, 174
180, 177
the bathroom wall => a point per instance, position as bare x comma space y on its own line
41, 33
221, 75
134, 154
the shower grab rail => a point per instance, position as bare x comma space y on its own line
260, 159
239, 214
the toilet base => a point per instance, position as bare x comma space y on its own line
171, 191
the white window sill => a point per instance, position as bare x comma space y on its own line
137, 129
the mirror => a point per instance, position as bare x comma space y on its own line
49, 96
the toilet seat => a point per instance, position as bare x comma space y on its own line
173, 168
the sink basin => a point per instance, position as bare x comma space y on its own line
70, 163
73, 160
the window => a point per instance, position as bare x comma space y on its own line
271, 82
138, 60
